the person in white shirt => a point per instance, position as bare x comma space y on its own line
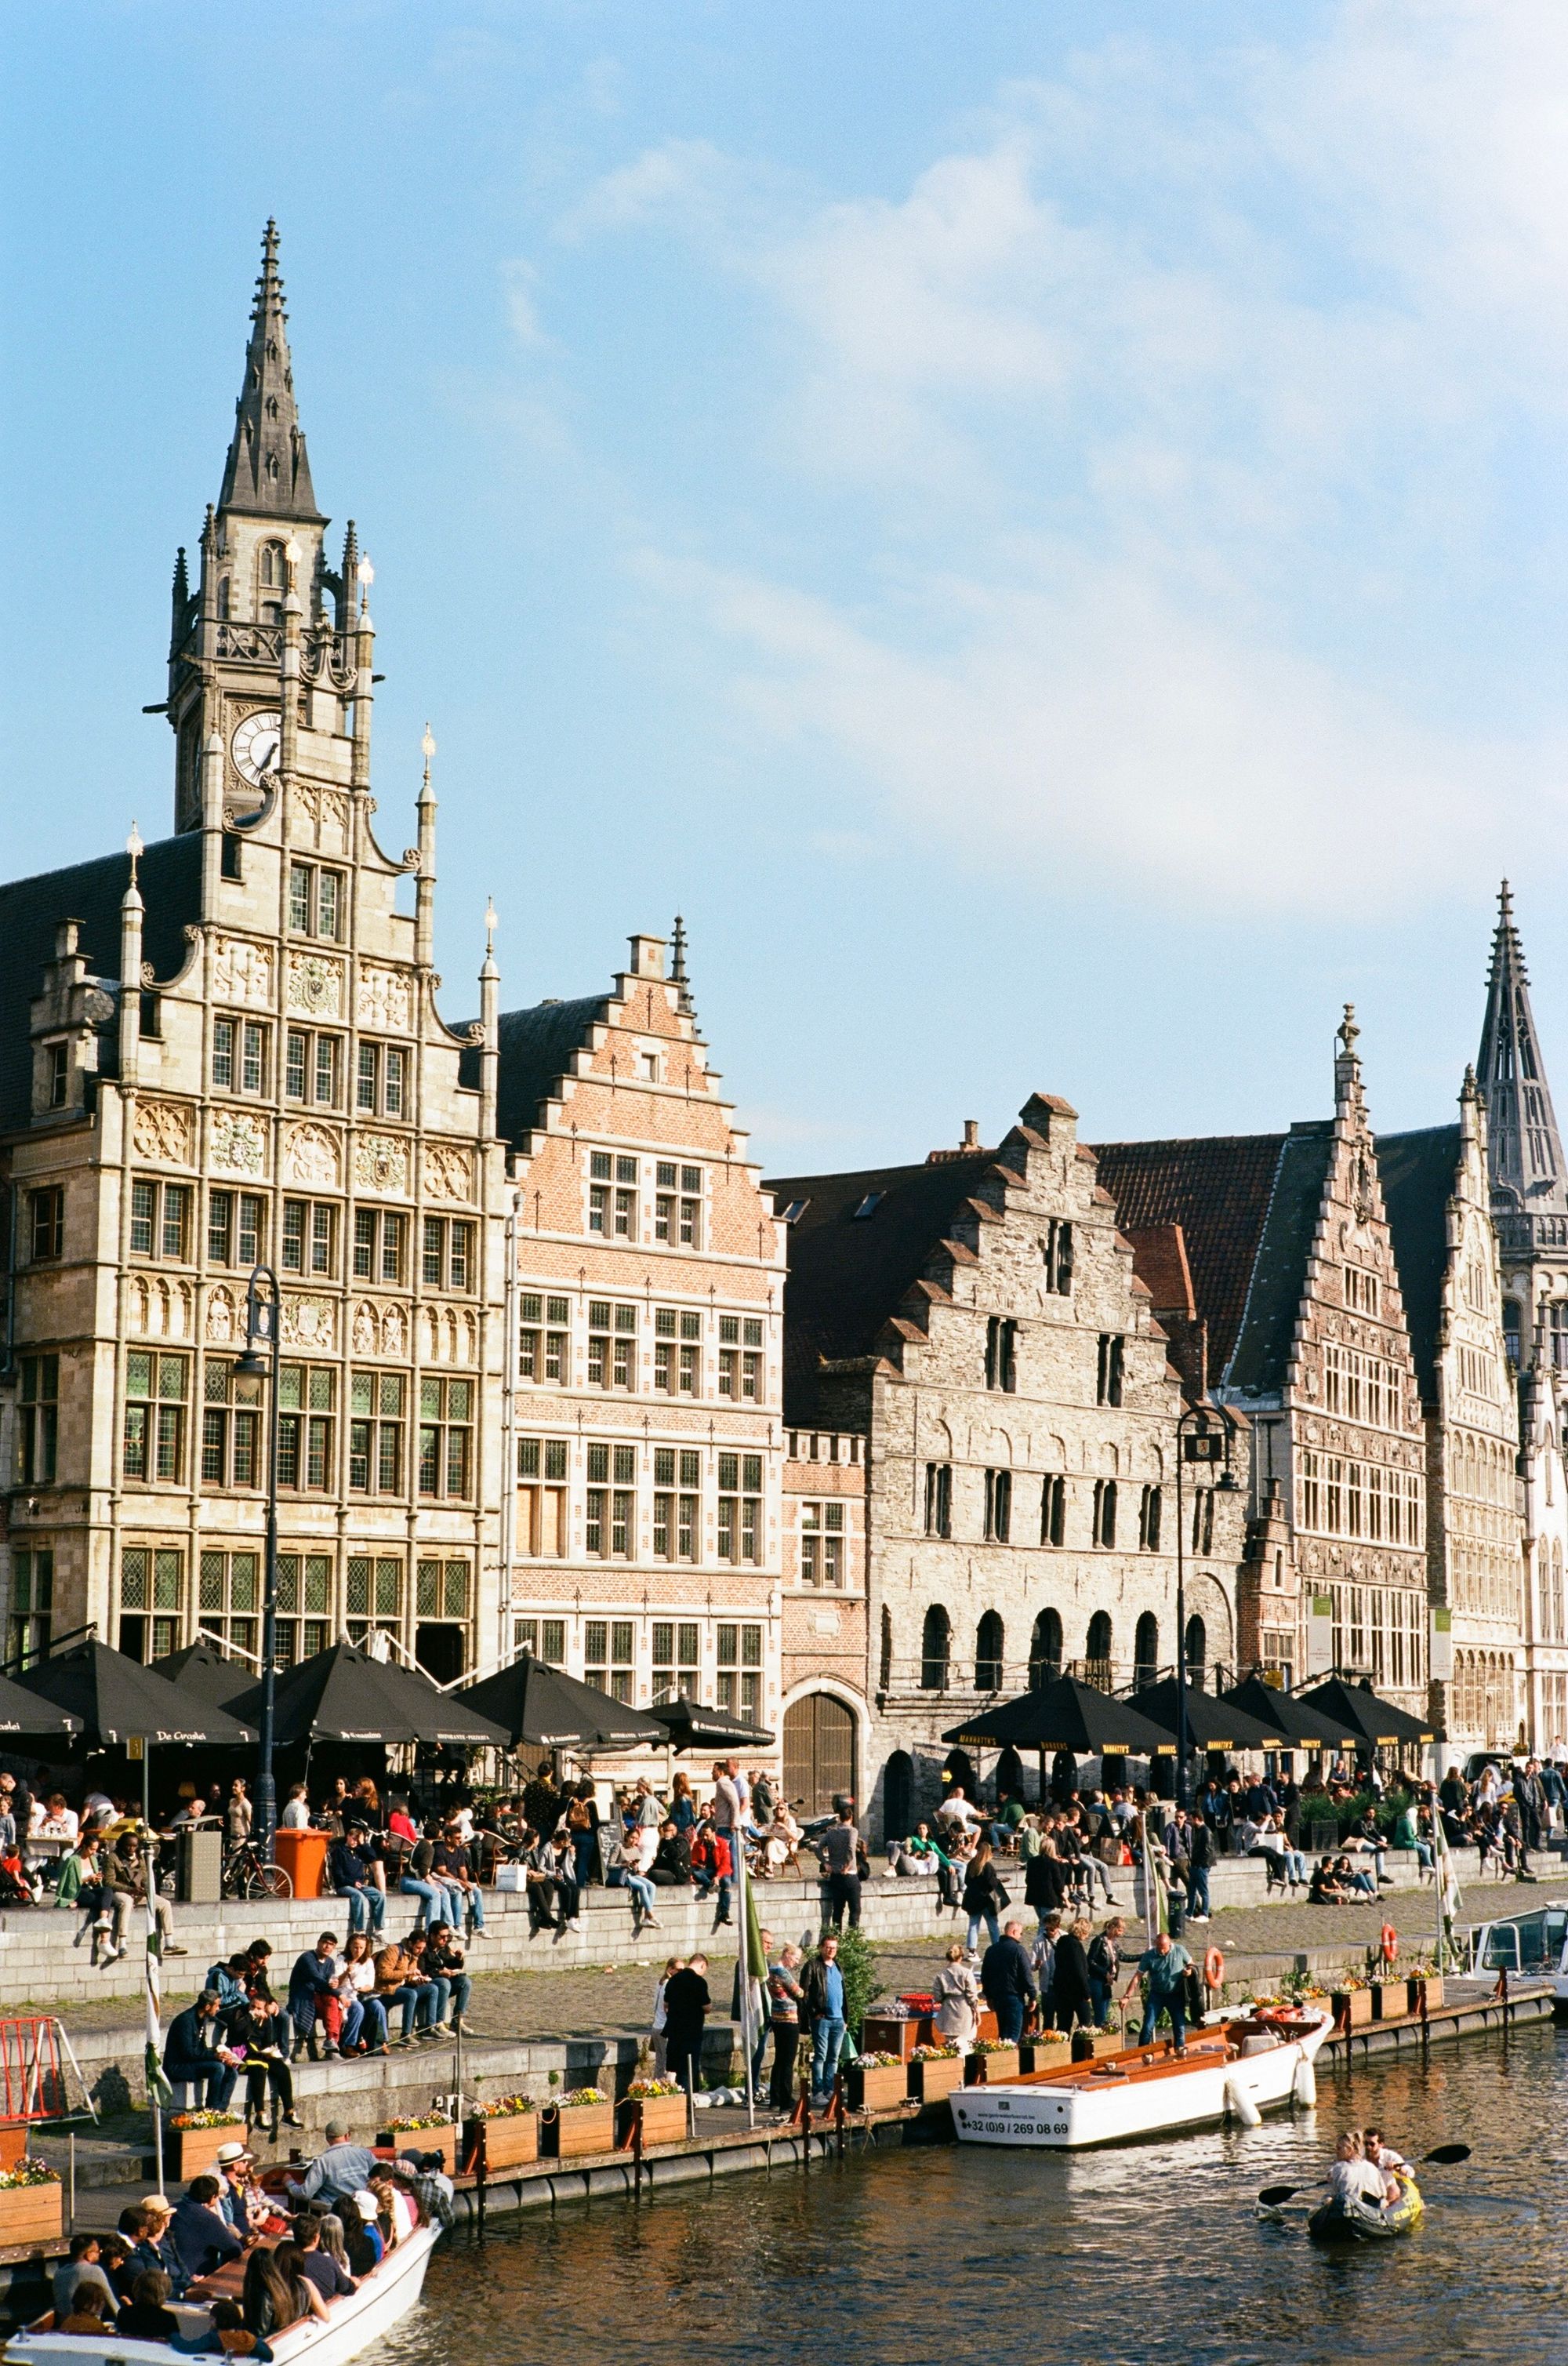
1385, 2160
1355, 2184
956, 1809
295, 1816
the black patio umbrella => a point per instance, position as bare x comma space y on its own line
343, 1695
1374, 1722
542, 1707
1212, 1724
203, 1670
1295, 1725
116, 1699
690, 1726
23, 1712
1065, 1715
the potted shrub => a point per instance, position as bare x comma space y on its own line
1352, 2005
935, 2071
503, 2133
878, 2082
191, 2140
992, 2062
663, 2103
31, 2202
581, 2120
422, 2132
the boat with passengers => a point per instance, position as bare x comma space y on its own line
1235, 2066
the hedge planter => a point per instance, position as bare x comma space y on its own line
1352, 2008
993, 2070
31, 2214
442, 2139
881, 2089
932, 2081
663, 2119
572, 2129
193, 2152
507, 2141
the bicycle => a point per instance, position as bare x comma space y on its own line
248, 1874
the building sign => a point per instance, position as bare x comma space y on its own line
1320, 1635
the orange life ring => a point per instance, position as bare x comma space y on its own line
1390, 1943
1214, 1969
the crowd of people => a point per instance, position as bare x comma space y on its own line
303, 2242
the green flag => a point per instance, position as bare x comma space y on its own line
1156, 1904
756, 1953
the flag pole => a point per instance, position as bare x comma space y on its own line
742, 1916
158, 2092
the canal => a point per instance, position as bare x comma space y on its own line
931, 2256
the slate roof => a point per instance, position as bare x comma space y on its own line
1217, 1189
1273, 1297
536, 1048
848, 1274
31, 910
1418, 1171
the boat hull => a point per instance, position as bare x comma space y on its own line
354, 2325
1330, 2224
1138, 2093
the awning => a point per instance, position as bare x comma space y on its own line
1212, 1724
1064, 1715
118, 1700
1372, 1720
23, 1712
202, 1669
1295, 1725
541, 1708
342, 1695
689, 1724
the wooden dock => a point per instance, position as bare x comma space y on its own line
1526, 2000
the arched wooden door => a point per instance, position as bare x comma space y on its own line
819, 1754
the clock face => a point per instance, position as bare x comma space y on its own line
254, 746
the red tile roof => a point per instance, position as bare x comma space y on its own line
1217, 1188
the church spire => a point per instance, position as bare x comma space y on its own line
1526, 1148
268, 473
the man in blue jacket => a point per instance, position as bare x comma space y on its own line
194, 2055
200, 2237
313, 1977
1007, 1982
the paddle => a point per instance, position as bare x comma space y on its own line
1445, 2157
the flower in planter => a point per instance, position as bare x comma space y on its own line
28, 2171
421, 2120
934, 2054
205, 2120
878, 2062
993, 2046
505, 2107
583, 2095
648, 2090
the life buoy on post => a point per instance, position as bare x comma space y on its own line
1390, 1943
1214, 1969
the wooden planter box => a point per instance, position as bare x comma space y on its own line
193, 2152
1352, 2008
580, 2128
880, 2089
508, 2142
1391, 1999
930, 2081
1432, 1984
443, 2140
993, 2070
1094, 2044
1051, 2052
663, 2118
31, 2214
881, 2034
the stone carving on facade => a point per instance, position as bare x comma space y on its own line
449, 1172
383, 1000
312, 1154
307, 1323
222, 1316
242, 973
381, 1162
316, 985
449, 1335
163, 1131
319, 816
379, 1330
158, 1309
238, 1142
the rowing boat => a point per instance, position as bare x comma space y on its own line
1236, 2068
359, 2322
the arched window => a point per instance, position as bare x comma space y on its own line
1146, 1651
1097, 1669
1197, 1650
898, 1796
272, 566
1009, 1775
935, 1646
1511, 1321
1045, 1650
988, 1654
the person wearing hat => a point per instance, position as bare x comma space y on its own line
234, 2165
362, 2234
151, 2251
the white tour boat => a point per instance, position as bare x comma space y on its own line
354, 2325
1234, 2067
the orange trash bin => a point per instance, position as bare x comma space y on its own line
302, 1856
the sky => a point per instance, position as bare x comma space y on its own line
1038, 528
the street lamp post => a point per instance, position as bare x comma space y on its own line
258, 1365
1203, 1433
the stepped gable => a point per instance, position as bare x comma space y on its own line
1217, 1189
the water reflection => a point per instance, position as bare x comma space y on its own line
1147, 2253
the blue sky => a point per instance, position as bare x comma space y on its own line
1039, 528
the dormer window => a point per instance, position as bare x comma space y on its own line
794, 1212
867, 1208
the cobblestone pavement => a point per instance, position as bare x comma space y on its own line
544, 2003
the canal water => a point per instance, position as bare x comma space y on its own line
1152, 2252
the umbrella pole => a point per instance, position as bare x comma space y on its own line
744, 1981
154, 2032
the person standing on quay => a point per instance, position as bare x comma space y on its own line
823, 1993
1008, 1983
1162, 1968
784, 1996
686, 2003
841, 1851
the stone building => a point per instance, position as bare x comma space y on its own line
825, 1628
1530, 1210
643, 1415
226, 1051
976, 1324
